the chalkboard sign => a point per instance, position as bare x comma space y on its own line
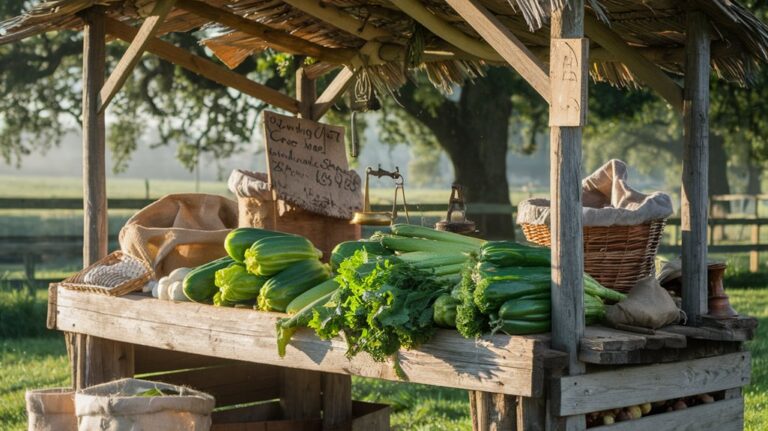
307, 166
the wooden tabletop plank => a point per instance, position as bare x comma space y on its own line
501, 364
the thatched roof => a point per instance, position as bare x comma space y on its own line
656, 27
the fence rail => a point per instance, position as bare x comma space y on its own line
28, 249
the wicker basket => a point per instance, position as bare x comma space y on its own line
76, 282
616, 256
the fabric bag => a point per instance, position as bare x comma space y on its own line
607, 200
179, 230
114, 406
647, 305
51, 410
257, 207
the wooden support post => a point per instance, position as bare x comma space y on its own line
337, 400
132, 55
300, 394
565, 184
492, 411
754, 255
531, 414
95, 360
693, 208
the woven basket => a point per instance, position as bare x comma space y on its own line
616, 256
75, 282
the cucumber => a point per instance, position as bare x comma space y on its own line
490, 295
444, 311
510, 253
199, 284
521, 327
522, 308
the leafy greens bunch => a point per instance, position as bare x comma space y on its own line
382, 304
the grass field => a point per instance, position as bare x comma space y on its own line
37, 362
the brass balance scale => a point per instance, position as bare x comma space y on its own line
381, 218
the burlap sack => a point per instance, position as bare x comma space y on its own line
111, 407
258, 208
647, 305
607, 200
181, 230
51, 410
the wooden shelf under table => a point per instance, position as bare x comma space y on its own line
514, 365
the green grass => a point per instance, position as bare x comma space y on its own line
39, 362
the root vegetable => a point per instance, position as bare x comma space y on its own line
634, 412
706, 398
680, 405
645, 408
609, 419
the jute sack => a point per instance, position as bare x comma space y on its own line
51, 410
180, 230
258, 208
647, 305
113, 406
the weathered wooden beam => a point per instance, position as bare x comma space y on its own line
275, 38
335, 89
95, 360
334, 16
306, 91
693, 207
502, 40
565, 219
446, 30
337, 400
646, 71
206, 68
136, 48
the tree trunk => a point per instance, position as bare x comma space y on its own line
755, 177
474, 134
718, 181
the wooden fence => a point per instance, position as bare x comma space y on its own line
744, 211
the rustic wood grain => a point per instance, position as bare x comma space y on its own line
696, 349
500, 363
725, 415
300, 394
600, 338
693, 207
568, 82
337, 400
332, 93
566, 224
206, 68
531, 414
637, 385
491, 412
134, 52
501, 39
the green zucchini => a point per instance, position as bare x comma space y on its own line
199, 284
284, 287
346, 249
288, 326
268, 256
510, 253
322, 289
241, 239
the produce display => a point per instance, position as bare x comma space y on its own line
391, 291
609, 417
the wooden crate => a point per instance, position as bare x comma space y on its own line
617, 387
267, 417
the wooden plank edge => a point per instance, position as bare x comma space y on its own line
565, 402
72, 319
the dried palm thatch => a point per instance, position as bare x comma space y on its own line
392, 45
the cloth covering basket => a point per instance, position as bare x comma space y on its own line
51, 410
113, 407
257, 207
77, 281
622, 227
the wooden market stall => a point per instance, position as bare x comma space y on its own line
522, 382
